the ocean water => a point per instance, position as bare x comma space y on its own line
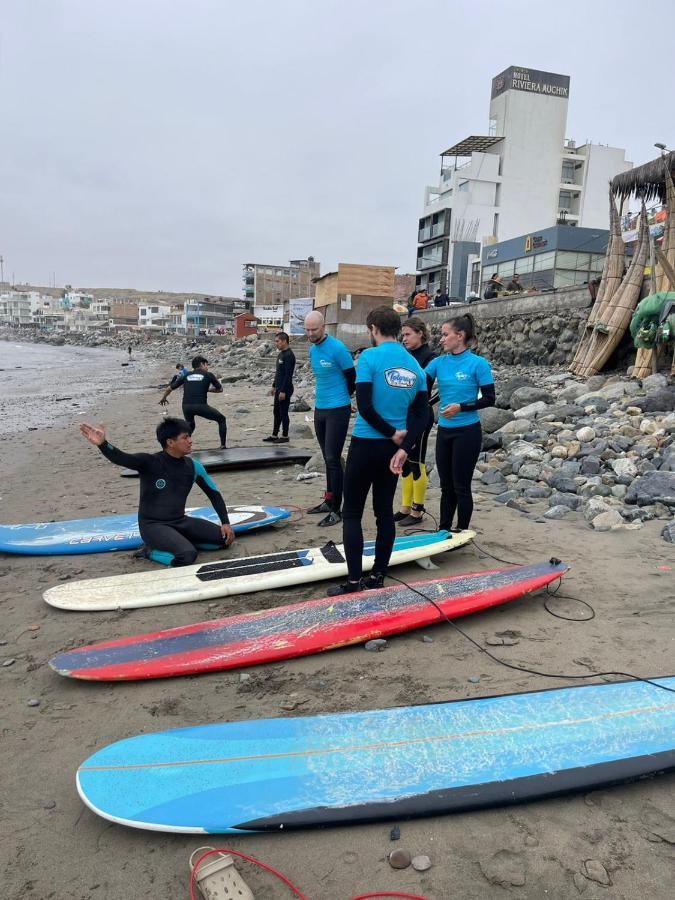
42, 385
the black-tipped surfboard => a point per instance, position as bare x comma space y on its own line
243, 458
312, 626
103, 533
244, 575
350, 768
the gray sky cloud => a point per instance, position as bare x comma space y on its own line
161, 144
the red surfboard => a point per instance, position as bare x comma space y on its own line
302, 628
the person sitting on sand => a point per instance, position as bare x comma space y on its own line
170, 537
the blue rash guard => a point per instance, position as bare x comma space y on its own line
330, 360
396, 379
460, 376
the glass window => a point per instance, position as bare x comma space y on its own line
488, 272
567, 171
567, 278
598, 259
526, 264
565, 200
543, 261
578, 261
506, 269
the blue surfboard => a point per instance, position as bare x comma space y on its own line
115, 532
274, 774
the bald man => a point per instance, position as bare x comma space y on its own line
335, 378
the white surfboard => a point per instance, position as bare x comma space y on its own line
238, 576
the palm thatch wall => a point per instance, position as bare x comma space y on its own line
647, 181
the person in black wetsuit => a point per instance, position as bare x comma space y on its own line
415, 339
282, 389
171, 537
196, 385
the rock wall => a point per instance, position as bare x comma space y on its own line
529, 329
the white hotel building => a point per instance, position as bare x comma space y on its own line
521, 177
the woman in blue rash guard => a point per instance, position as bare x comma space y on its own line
465, 385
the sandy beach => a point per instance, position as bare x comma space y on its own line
54, 847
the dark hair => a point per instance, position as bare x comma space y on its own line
419, 325
386, 319
198, 361
282, 335
358, 350
464, 324
179, 365
171, 428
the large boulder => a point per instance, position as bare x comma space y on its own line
658, 401
652, 487
524, 396
572, 391
506, 390
532, 410
654, 383
493, 418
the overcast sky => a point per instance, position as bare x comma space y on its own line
160, 144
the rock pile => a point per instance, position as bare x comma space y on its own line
604, 447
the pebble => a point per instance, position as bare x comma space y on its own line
395, 833
426, 639
399, 859
595, 871
49, 804
33, 703
8, 662
376, 645
421, 863
474, 679
586, 434
243, 677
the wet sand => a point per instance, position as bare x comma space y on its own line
54, 847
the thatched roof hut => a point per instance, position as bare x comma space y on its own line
647, 181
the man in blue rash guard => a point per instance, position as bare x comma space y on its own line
167, 477
335, 378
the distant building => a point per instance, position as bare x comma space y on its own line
268, 285
522, 176
155, 315
403, 288
15, 309
549, 259
212, 314
123, 313
346, 297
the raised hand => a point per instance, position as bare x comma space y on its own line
95, 434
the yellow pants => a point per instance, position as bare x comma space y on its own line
413, 490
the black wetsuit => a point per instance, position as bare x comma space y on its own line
167, 532
195, 389
283, 384
423, 355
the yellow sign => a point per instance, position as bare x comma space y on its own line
528, 243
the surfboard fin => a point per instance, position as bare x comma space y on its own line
426, 563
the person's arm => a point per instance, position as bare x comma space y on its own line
216, 386
350, 378
488, 398
364, 401
95, 434
416, 422
289, 368
175, 383
208, 486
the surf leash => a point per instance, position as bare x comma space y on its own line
527, 671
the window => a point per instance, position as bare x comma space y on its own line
566, 278
506, 269
567, 174
575, 261
526, 264
492, 128
543, 261
565, 200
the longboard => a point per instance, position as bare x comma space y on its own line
350, 768
105, 533
243, 458
301, 628
238, 576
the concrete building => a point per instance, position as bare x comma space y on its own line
521, 177
15, 309
156, 315
553, 258
268, 285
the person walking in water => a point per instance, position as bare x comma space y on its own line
335, 378
282, 389
465, 385
415, 339
167, 477
196, 385
392, 400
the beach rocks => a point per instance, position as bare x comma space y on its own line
651, 487
493, 418
531, 410
668, 532
526, 395
557, 512
606, 521
586, 434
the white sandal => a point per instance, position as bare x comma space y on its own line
217, 878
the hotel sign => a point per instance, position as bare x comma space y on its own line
546, 83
